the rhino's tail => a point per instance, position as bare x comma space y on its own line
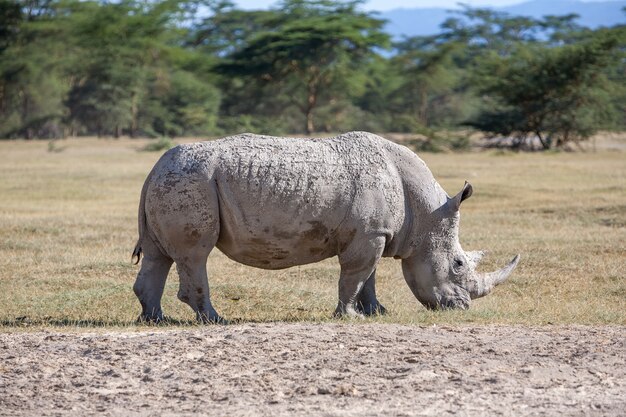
136, 253
142, 222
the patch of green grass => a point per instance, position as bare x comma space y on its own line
68, 225
161, 144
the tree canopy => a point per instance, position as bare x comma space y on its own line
205, 67
557, 95
313, 48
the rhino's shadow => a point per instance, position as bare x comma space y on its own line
24, 321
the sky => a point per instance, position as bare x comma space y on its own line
383, 5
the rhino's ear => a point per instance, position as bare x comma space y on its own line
464, 194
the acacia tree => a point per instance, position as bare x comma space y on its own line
484, 31
84, 67
118, 43
310, 47
557, 94
429, 78
32, 85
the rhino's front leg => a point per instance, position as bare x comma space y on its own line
367, 303
358, 263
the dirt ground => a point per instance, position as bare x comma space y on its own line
336, 369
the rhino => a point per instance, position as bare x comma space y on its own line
274, 203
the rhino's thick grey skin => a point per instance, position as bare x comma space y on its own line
274, 203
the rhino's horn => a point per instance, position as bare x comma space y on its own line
484, 283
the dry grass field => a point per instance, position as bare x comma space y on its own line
549, 341
68, 225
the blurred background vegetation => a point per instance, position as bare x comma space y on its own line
168, 68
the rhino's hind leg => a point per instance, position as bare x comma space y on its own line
358, 263
367, 303
187, 226
150, 282
194, 288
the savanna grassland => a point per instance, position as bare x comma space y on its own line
68, 223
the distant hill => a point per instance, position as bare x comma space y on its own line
426, 21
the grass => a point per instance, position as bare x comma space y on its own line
68, 225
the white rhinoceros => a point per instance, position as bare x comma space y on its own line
274, 203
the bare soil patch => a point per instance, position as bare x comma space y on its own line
300, 369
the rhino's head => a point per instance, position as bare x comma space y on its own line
441, 274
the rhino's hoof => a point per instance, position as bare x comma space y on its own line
348, 314
372, 310
213, 319
151, 319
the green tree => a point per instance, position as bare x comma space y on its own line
558, 94
430, 80
10, 19
179, 103
120, 43
312, 47
226, 28
32, 67
483, 30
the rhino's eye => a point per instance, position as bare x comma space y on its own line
458, 263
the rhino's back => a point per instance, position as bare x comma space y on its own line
284, 170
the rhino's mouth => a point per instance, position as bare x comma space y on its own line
455, 302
